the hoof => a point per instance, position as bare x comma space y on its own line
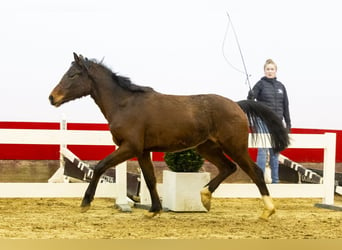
206, 198
136, 198
150, 215
85, 208
269, 208
266, 214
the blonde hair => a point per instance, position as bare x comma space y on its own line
270, 61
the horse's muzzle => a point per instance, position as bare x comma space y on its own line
54, 101
51, 100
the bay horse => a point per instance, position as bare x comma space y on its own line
142, 120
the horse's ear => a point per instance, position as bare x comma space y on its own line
77, 59
81, 61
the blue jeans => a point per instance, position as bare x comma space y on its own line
274, 162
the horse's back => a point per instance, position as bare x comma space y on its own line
207, 110
203, 106
184, 120
199, 104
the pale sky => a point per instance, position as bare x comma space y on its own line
176, 47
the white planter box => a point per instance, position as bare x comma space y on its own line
181, 191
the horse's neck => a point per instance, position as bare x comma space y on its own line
108, 96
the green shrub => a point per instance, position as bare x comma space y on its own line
184, 161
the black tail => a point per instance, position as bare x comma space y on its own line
270, 124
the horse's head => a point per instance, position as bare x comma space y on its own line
74, 84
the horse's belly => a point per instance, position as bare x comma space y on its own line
174, 141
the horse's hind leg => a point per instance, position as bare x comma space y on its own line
151, 183
214, 154
255, 173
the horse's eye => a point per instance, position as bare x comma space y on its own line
74, 75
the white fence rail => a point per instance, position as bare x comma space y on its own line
325, 141
63, 137
325, 190
82, 137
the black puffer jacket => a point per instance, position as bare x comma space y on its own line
272, 93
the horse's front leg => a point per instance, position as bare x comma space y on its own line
146, 165
120, 155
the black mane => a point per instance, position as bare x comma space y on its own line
127, 84
124, 82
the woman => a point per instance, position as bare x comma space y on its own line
269, 91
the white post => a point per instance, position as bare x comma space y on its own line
329, 168
121, 183
63, 127
59, 176
145, 198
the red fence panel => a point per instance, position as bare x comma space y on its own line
51, 152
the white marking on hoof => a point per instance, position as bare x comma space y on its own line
268, 202
269, 207
206, 198
266, 214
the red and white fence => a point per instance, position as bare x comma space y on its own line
62, 137
325, 191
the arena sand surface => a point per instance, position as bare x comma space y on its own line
47, 218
